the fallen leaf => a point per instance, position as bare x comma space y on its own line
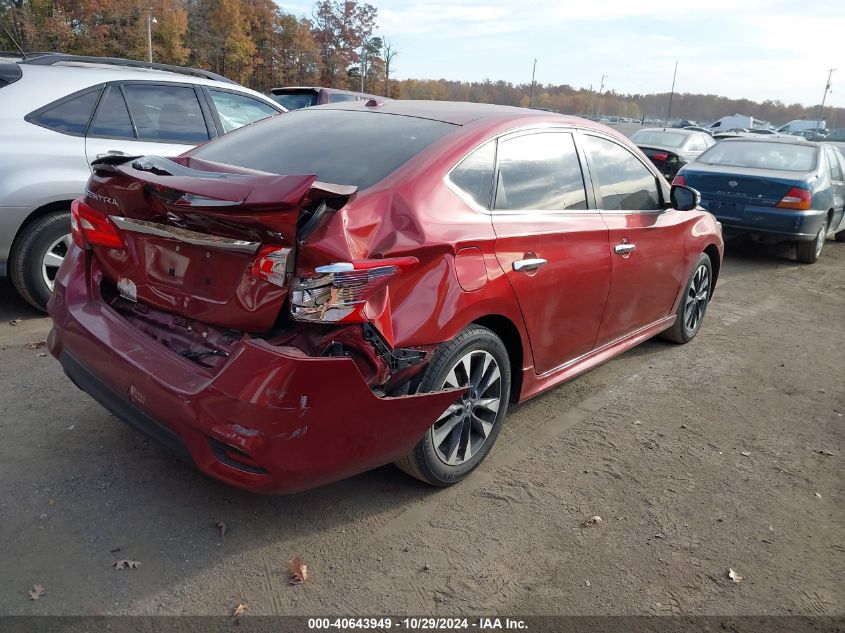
222, 527
239, 610
36, 592
297, 571
733, 575
37, 345
587, 583
818, 496
15, 322
745, 453
126, 563
828, 453
41, 355
596, 520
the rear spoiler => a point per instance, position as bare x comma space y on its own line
192, 182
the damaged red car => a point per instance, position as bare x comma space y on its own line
347, 286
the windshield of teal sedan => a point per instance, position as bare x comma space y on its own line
338, 146
761, 155
659, 138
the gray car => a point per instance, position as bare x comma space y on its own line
671, 148
60, 112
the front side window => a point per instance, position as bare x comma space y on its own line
540, 172
112, 117
166, 113
69, 116
237, 110
625, 183
474, 174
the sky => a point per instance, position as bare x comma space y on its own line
757, 49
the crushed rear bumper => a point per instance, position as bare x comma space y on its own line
300, 421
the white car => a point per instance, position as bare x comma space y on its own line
60, 112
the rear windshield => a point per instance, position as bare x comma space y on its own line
338, 146
295, 100
659, 138
762, 155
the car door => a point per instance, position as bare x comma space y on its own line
551, 245
646, 239
837, 181
139, 118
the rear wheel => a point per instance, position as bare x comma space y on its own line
809, 252
461, 437
694, 301
39, 251
840, 237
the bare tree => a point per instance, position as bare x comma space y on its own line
389, 52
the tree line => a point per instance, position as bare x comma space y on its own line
256, 43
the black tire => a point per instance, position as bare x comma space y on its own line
687, 324
27, 257
425, 461
809, 252
840, 237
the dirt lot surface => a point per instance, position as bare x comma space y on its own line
725, 453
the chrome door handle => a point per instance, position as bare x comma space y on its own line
522, 265
624, 249
112, 152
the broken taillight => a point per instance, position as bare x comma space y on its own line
271, 264
89, 227
339, 291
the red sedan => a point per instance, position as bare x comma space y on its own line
347, 286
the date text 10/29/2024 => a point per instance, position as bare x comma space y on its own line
419, 624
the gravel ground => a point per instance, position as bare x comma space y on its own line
725, 453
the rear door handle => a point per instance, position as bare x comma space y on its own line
624, 249
523, 265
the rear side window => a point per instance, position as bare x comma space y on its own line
540, 172
625, 183
338, 146
833, 164
166, 113
295, 100
237, 110
338, 97
112, 117
474, 174
69, 116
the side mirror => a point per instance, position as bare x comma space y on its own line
684, 198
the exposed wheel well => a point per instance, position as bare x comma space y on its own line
40, 212
713, 253
506, 330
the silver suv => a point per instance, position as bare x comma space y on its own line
60, 112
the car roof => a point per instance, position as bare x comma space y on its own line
791, 140
455, 112
65, 78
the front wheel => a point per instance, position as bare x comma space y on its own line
694, 301
461, 437
809, 252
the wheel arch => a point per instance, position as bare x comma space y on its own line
507, 331
715, 264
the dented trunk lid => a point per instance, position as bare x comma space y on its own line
193, 230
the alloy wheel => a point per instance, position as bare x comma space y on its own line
464, 427
53, 258
820, 238
696, 299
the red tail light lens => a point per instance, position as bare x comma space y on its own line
679, 180
796, 198
271, 265
660, 156
338, 292
89, 227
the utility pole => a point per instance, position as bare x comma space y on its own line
533, 73
150, 21
824, 96
363, 63
601, 91
671, 95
